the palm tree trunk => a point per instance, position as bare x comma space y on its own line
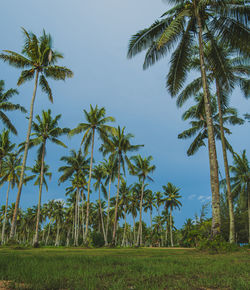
78, 218
14, 219
47, 239
214, 177
224, 150
57, 234
108, 212
100, 208
116, 202
5, 212
83, 231
171, 227
139, 240
90, 173
134, 229
124, 232
75, 228
40, 196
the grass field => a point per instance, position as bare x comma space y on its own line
123, 269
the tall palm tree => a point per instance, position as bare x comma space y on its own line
11, 174
199, 125
110, 173
98, 175
158, 200
46, 129
150, 204
180, 27
76, 167
6, 105
171, 193
118, 145
96, 122
240, 179
38, 60
141, 167
225, 71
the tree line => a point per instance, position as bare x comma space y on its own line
206, 37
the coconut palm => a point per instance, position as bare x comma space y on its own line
11, 174
76, 167
141, 168
38, 60
226, 71
149, 204
134, 206
40, 170
199, 125
98, 175
110, 173
158, 200
171, 201
180, 27
58, 216
240, 171
6, 105
118, 145
46, 129
96, 123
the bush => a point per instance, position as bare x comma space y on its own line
217, 245
97, 240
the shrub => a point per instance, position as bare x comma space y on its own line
217, 245
97, 240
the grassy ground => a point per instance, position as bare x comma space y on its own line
123, 269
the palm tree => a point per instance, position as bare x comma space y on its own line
124, 199
171, 193
98, 175
5, 105
118, 144
158, 200
46, 129
199, 125
110, 173
149, 204
225, 70
181, 26
11, 173
58, 215
96, 122
39, 171
39, 59
133, 207
76, 167
142, 168
240, 171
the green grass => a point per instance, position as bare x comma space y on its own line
124, 269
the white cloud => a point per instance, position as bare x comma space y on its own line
204, 198
192, 196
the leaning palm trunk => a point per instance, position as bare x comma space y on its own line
106, 243
57, 243
116, 202
14, 219
214, 177
224, 150
35, 243
5, 212
100, 208
47, 239
139, 235
90, 173
171, 227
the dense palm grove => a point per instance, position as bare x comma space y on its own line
208, 37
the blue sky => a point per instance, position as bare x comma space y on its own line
93, 36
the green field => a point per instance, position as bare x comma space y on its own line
123, 269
